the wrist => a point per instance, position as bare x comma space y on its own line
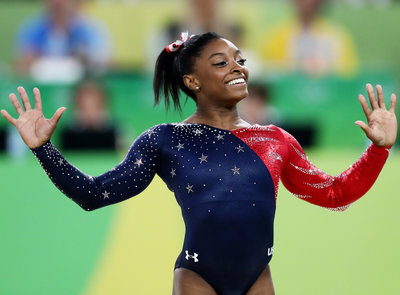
41, 145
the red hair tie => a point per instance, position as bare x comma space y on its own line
178, 43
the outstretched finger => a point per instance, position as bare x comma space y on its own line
7, 116
363, 126
57, 115
392, 103
372, 97
381, 100
24, 98
38, 100
16, 104
364, 105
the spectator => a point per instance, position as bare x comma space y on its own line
92, 128
62, 33
310, 44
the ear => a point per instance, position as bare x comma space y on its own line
191, 82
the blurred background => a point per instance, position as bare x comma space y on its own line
308, 61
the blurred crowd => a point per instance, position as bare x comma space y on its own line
67, 42
63, 37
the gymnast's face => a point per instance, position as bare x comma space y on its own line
220, 73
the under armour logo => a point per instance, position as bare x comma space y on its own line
270, 251
192, 256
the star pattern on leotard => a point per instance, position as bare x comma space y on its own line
105, 195
180, 146
240, 148
198, 131
193, 155
220, 137
150, 133
138, 162
203, 158
235, 170
189, 188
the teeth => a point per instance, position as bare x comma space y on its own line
236, 81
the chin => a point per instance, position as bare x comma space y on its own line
242, 95
237, 97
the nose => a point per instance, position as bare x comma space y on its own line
237, 67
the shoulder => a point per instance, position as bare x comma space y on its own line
151, 136
172, 128
268, 128
280, 134
158, 130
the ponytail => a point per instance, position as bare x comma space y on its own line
166, 80
171, 66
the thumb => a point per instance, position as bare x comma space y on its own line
57, 115
363, 126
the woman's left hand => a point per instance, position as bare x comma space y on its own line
382, 123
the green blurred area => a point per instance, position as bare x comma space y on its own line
48, 244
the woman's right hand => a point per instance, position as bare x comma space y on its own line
33, 127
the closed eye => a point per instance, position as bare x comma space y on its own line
242, 61
221, 64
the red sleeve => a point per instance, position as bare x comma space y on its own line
336, 193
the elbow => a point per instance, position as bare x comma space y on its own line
338, 209
88, 206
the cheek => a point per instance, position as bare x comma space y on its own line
246, 71
212, 79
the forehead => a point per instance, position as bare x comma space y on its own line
223, 46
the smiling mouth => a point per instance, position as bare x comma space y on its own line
237, 81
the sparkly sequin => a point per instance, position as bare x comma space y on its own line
302, 196
275, 156
302, 155
337, 209
307, 171
321, 185
254, 140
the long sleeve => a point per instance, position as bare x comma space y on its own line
127, 179
336, 193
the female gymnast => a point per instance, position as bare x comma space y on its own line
224, 172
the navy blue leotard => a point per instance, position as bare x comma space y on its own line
225, 183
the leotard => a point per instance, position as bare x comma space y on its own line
226, 184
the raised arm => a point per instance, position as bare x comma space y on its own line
127, 179
309, 183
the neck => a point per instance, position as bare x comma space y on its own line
216, 116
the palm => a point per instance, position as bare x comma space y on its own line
33, 127
382, 123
